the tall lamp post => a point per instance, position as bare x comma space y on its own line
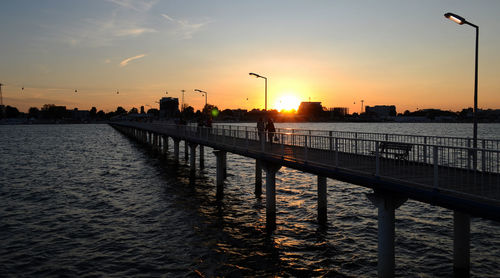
460, 20
461, 220
265, 78
182, 105
203, 92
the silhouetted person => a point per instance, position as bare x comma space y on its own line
260, 128
270, 130
209, 122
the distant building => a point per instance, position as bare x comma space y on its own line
310, 110
381, 111
169, 107
80, 115
339, 111
239, 114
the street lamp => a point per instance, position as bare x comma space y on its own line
460, 20
182, 105
265, 78
203, 92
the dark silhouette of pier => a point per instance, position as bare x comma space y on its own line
439, 171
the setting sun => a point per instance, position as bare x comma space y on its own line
287, 103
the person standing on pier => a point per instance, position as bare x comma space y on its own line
260, 128
270, 130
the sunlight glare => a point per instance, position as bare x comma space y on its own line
287, 103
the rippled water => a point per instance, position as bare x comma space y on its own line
83, 200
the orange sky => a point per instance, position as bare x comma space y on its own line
339, 53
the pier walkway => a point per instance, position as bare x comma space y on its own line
442, 171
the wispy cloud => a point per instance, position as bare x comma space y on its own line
136, 5
91, 32
133, 32
126, 61
185, 28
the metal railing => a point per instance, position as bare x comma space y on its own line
403, 138
437, 162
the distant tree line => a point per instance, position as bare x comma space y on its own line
52, 112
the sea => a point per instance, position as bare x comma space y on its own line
86, 201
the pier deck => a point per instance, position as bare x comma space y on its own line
434, 173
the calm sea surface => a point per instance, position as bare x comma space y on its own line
83, 200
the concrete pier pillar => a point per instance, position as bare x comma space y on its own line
461, 244
192, 158
322, 200
165, 144
202, 157
176, 149
186, 150
386, 205
225, 165
271, 170
258, 178
219, 155
155, 142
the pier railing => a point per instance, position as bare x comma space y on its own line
392, 137
441, 163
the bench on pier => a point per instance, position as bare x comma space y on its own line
395, 149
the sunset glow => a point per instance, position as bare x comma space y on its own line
287, 103
147, 47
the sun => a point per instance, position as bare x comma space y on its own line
287, 103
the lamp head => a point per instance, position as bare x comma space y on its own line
458, 19
254, 74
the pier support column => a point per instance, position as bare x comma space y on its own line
155, 142
192, 158
386, 204
322, 200
186, 150
176, 149
258, 178
461, 244
219, 155
225, 165
165, 144
202, 157
271, 170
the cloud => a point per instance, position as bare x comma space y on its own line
126, 61
184, 28
136, 5
168, 17
134, 32
92, 32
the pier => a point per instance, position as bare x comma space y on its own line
440, 171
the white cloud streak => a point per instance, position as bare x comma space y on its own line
126, 61
136, 5
185, 28
92, 32
133, 32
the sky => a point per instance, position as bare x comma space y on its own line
131, 53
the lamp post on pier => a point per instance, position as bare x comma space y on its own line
265, 78
461, 220
460, 20
203, 92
